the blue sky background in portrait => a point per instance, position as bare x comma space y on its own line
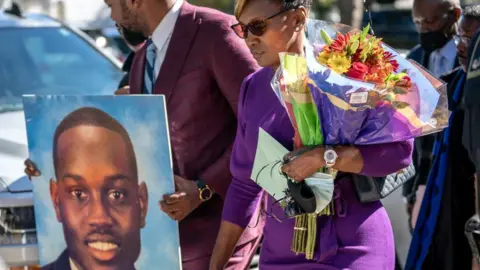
144, 117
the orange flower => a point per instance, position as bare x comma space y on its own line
340, 42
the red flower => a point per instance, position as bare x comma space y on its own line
405, 81
389, 58
357, 71
340, 42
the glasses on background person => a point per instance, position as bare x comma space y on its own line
461, 40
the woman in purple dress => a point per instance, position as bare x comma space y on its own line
357, 236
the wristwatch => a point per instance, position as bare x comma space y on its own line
330, 156
204, 191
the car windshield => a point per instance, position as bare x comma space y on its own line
51, 60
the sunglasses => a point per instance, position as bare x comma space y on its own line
256, 27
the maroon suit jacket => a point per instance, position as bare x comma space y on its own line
201, 76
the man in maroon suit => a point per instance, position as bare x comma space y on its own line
195, 60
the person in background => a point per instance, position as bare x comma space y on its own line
134, 41
452, 174
436, 22
194, 59
471, 131
351, 12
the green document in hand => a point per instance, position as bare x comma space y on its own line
266, 167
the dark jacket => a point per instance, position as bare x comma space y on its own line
471, 104
201, 77
423, 146
61, 263
126, 68
449, 249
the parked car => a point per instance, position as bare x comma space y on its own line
38, 55
103, 30
393, 24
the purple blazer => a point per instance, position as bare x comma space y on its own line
201, 78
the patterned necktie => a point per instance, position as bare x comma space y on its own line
149, 77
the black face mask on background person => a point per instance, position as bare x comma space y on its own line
434, 40
133, 38
431, 41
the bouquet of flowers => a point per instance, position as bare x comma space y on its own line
350, 88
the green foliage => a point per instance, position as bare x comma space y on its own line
326, 38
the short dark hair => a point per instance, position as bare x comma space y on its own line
286, 4
472, 12
88, 116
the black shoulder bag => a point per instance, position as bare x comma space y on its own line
370, 189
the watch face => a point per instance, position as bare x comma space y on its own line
206, 194
330, 155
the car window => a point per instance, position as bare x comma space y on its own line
51, 60
396, 27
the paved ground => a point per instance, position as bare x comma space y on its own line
398, 217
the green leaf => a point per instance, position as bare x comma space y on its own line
364, 32
400, 90
354, 38
401, 75
400, 104
365, 51
326, 38
308, 123
389, 77
354, 46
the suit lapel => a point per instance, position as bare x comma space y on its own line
182, 38
138, 69
63, 262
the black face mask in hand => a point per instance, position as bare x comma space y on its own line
431, 41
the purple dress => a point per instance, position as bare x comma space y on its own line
359, 236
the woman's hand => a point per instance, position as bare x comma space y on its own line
305, 164
227, 238
31, 169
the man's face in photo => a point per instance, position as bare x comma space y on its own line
97, 198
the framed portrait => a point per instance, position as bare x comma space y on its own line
104, 163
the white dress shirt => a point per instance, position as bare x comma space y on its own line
162, 34
73, 265
442, 60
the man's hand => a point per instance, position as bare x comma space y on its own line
123, 91
31, 169
417, 205
181, 203
409, 208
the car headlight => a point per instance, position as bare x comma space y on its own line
17, 226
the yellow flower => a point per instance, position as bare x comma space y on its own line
323, 57
339, 63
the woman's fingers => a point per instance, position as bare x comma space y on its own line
301, 168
